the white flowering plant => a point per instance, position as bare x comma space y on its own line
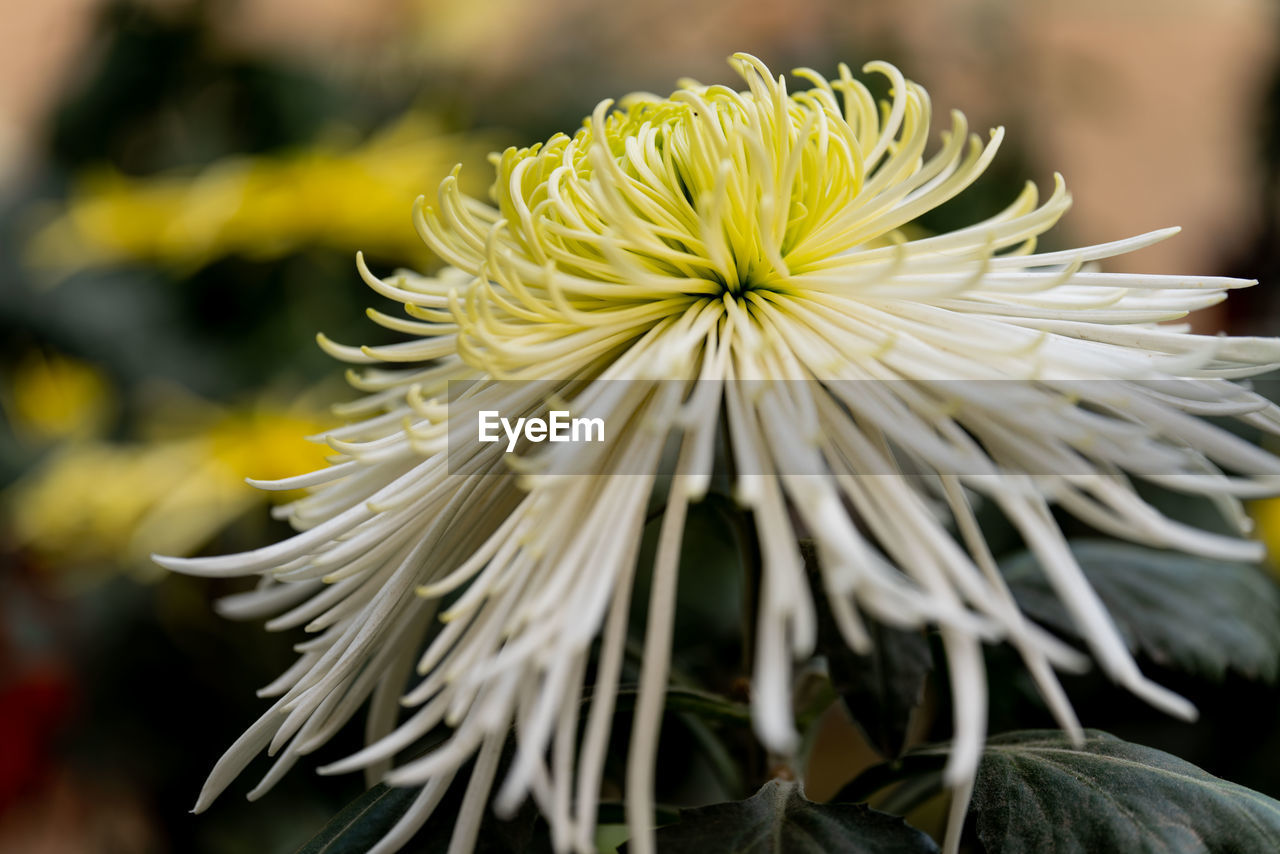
905, 453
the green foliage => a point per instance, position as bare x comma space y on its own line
362, 822
778, 819
880, 689
1036, 792
369, 817
704, 704
1194, 614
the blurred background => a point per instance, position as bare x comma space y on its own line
183, 186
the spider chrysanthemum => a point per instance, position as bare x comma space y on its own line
731, 273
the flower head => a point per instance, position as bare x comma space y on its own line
740, 264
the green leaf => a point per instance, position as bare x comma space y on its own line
362, 822
923, 765
1036, 792
704, 704
1202, 616
778, 819
368, 818
880, 689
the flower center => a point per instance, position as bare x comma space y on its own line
709, 192
659, 208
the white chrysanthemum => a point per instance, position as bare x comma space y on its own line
708, 239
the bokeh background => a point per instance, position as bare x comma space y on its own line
183, 186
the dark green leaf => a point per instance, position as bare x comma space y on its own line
1035, 792
778, 819
368, 818
362, 822
1203, 616
615, 812
880, 689
704, 704
921, 765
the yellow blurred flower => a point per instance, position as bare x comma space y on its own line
97, 505
53, 397
1266, 518
333, 194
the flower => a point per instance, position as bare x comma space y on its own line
331, 194
1266, 518
93, 506
727, 260
53, 397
